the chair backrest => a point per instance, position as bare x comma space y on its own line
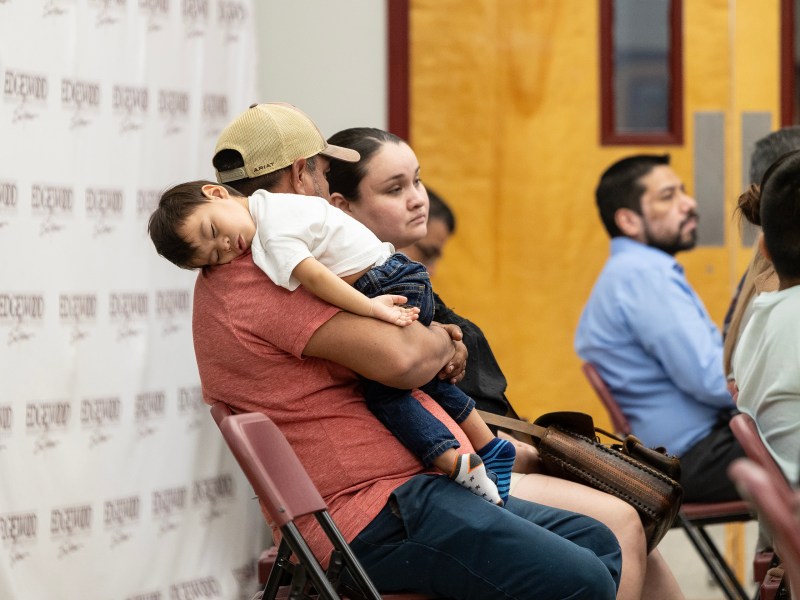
618, 419
746, 432
777, 506
273, 469
220, 410
287, 492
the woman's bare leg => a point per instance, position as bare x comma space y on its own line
660, 583
642, 576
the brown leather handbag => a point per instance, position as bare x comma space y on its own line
645, 478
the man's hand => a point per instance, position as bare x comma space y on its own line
456, 367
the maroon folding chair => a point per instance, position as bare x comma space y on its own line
746, 432
286, 492
693, 516
220, 410
777, 505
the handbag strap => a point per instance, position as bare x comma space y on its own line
535, 431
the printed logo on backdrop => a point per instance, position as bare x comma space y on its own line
146, 596
191, 407
103, 206
195, 17
108, 12
27, 92
19, 531
53, 204
78, 312
195, 589
215, 114
56, 8
173, 109
173, 310
213, 496
129, 311
81, 99
146, 203
156, 12
23, 314
6, 424
9, 201
120, 517
100, 417
129, 105
69, 527
149, 411
168, 507
47, 422
245, 577
231, 16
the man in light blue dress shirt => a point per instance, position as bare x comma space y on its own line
648, 333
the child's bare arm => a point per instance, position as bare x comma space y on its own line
321, 282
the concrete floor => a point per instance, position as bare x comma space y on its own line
690, 570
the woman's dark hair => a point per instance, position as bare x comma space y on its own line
749, 204
780, 214
345, 177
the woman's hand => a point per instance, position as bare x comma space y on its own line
456, 367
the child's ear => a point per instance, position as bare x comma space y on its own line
340, 202
214, 192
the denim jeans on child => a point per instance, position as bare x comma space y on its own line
439, 539
398, 410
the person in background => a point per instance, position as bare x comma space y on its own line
759, 276
381, 191
441, 227
647, 332
766, 365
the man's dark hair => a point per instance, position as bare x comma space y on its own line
620, 187
438, 210
780, 214
175, 206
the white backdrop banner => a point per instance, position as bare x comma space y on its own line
115, 483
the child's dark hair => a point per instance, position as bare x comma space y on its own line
780, 214
175, 206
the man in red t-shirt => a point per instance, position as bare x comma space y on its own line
296, 358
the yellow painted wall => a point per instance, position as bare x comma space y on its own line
505, 122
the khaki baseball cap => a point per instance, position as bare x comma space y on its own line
272, 136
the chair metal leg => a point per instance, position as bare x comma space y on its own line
274, 579
714, 561
309, 562
354, 567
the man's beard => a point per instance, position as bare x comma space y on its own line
676, 243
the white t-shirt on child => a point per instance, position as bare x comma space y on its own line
291, 228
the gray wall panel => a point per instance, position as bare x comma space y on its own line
709, 176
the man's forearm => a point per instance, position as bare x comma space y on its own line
402, 357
